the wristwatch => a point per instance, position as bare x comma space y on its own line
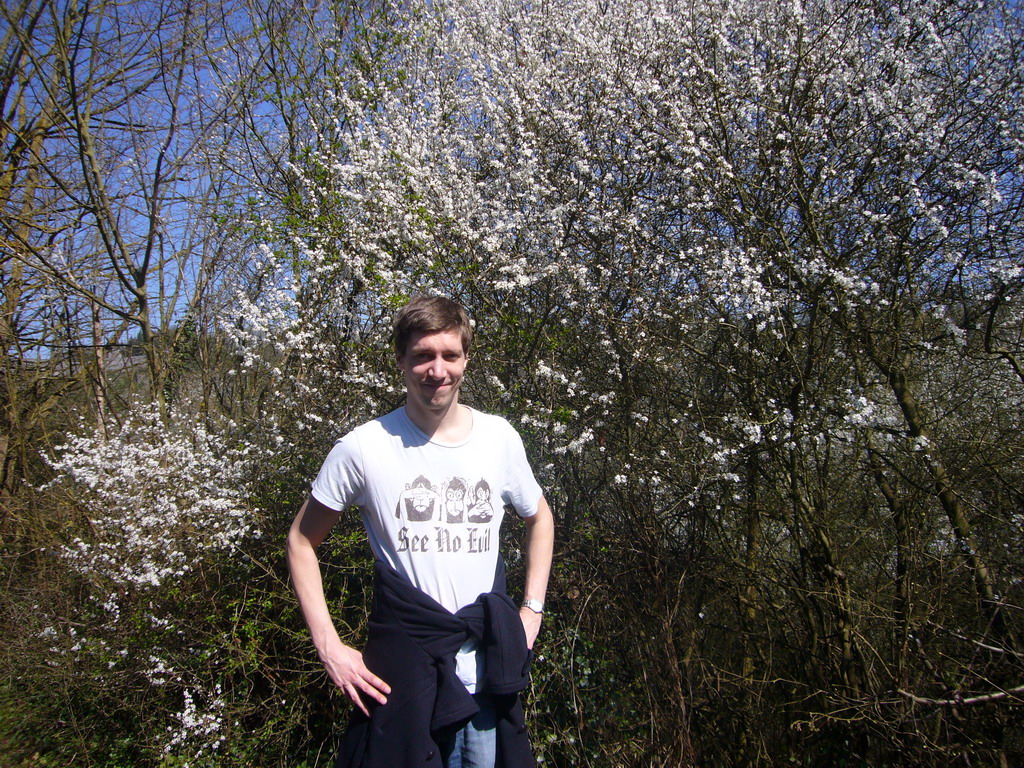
534, 605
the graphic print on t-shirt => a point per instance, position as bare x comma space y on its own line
419, 500
455, 500
481, 511
457, 511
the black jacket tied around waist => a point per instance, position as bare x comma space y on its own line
411, 645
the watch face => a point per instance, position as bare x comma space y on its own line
534, 605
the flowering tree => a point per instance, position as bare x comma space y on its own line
162, 504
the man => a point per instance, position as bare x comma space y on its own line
447, 652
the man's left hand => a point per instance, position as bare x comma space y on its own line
531, 624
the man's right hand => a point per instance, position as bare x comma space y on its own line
345, 666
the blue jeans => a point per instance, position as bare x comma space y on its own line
475, 746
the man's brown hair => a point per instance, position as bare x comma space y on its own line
431, 314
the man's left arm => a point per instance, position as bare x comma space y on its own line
540, 543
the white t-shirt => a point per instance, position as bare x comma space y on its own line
432, 510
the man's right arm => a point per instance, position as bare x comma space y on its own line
343, 663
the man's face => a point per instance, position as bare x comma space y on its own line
433, 364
